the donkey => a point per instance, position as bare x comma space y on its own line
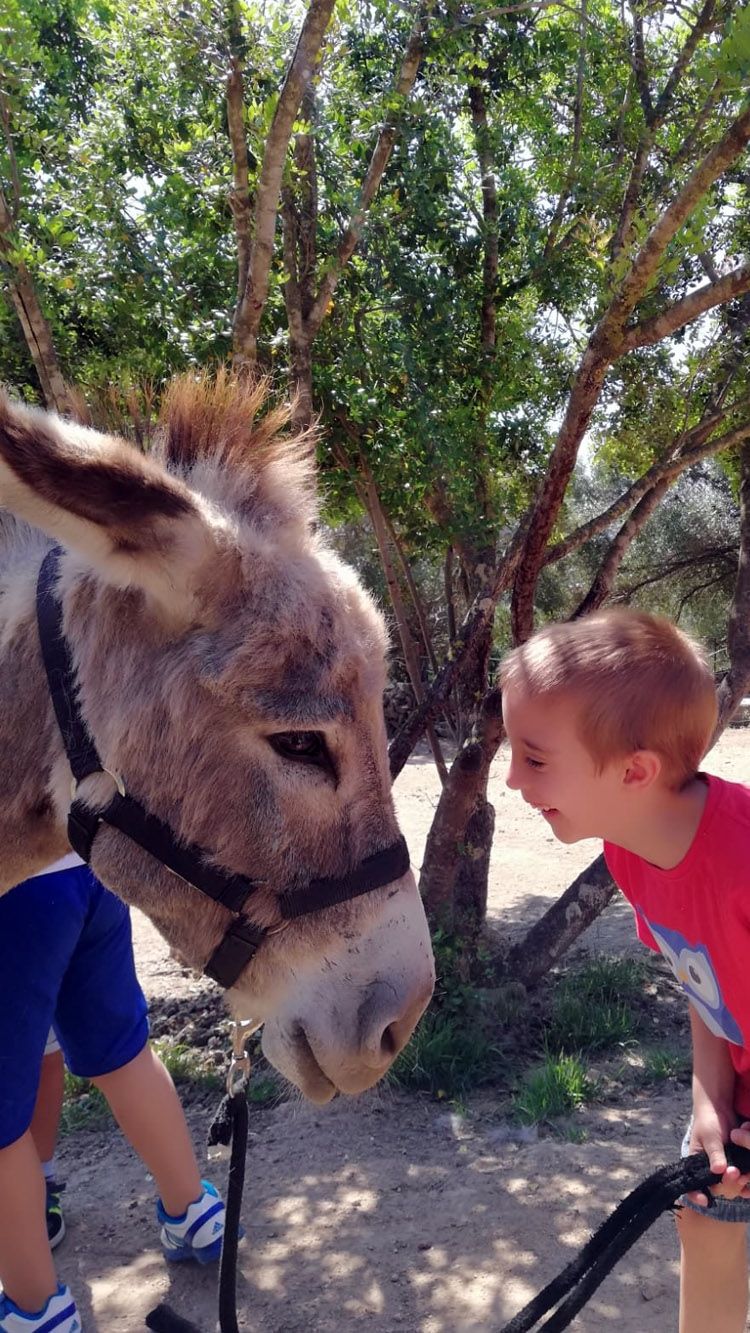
229, 669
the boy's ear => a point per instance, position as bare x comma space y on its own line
642, 769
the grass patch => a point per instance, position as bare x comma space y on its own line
185, 1064
445, 1057
597, 1006
264, 1091
557, 1087
455, 1047
83, 1107
663, 1062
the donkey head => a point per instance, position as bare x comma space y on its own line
230, 669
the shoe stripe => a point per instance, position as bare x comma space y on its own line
68, 1313
199, 1222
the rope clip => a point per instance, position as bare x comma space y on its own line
240, 1065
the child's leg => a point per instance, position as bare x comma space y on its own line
26, 1268
146, 1106
40, 923
46, 1119
713, 1274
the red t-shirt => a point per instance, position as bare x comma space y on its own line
698, 916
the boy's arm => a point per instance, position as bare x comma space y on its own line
714, 1115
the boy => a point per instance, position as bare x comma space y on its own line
608, 718
66, 954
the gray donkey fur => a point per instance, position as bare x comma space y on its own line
230, 669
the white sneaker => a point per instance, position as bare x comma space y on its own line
198, 1233
59, 1314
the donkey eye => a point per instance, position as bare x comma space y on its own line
307, 746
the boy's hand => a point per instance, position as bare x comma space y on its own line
710, 1132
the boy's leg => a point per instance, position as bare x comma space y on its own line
45, 1125
45, 1122
102, 1024
147, 1109
40, 922
713, 1274
26, 1266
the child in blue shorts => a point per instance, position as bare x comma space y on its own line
66, 960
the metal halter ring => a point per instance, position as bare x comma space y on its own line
76, 782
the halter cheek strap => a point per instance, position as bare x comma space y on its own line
185, 859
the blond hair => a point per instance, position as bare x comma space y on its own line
641, 684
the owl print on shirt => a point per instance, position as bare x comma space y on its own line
692, 967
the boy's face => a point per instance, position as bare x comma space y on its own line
554, 771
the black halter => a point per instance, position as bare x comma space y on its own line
243, 937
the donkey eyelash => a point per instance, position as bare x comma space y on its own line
303, 747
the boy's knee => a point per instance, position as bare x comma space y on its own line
714, 1239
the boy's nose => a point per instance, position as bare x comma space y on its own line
511, 779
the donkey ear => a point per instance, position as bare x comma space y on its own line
134, 524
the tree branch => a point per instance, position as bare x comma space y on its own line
683, 312
239, 195
639, 68
605, 346
603, 582
567, 185
250, 308
644, 266
474, 626
15, 177
702, 26
668, 571
691, 448
735, 684
375, 171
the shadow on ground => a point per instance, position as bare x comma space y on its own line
391, 1213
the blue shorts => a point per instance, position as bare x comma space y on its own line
721, 1210
66, 961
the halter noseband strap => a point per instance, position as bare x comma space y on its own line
243, 937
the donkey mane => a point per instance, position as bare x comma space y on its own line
224, 436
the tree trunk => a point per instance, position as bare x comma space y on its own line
567, 918
453, 882
38, 336
36, 330
364, 485
377, 518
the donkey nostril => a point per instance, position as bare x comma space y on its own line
389, 1042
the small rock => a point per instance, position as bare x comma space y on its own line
507, 1133
650, 1288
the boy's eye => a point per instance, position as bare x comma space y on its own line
534, 763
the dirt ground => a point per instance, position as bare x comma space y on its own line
393, 1211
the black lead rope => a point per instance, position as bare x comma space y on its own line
229, 1125
579, 1279
228, 1264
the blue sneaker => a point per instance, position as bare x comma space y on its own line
59, 1314
198, 1233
